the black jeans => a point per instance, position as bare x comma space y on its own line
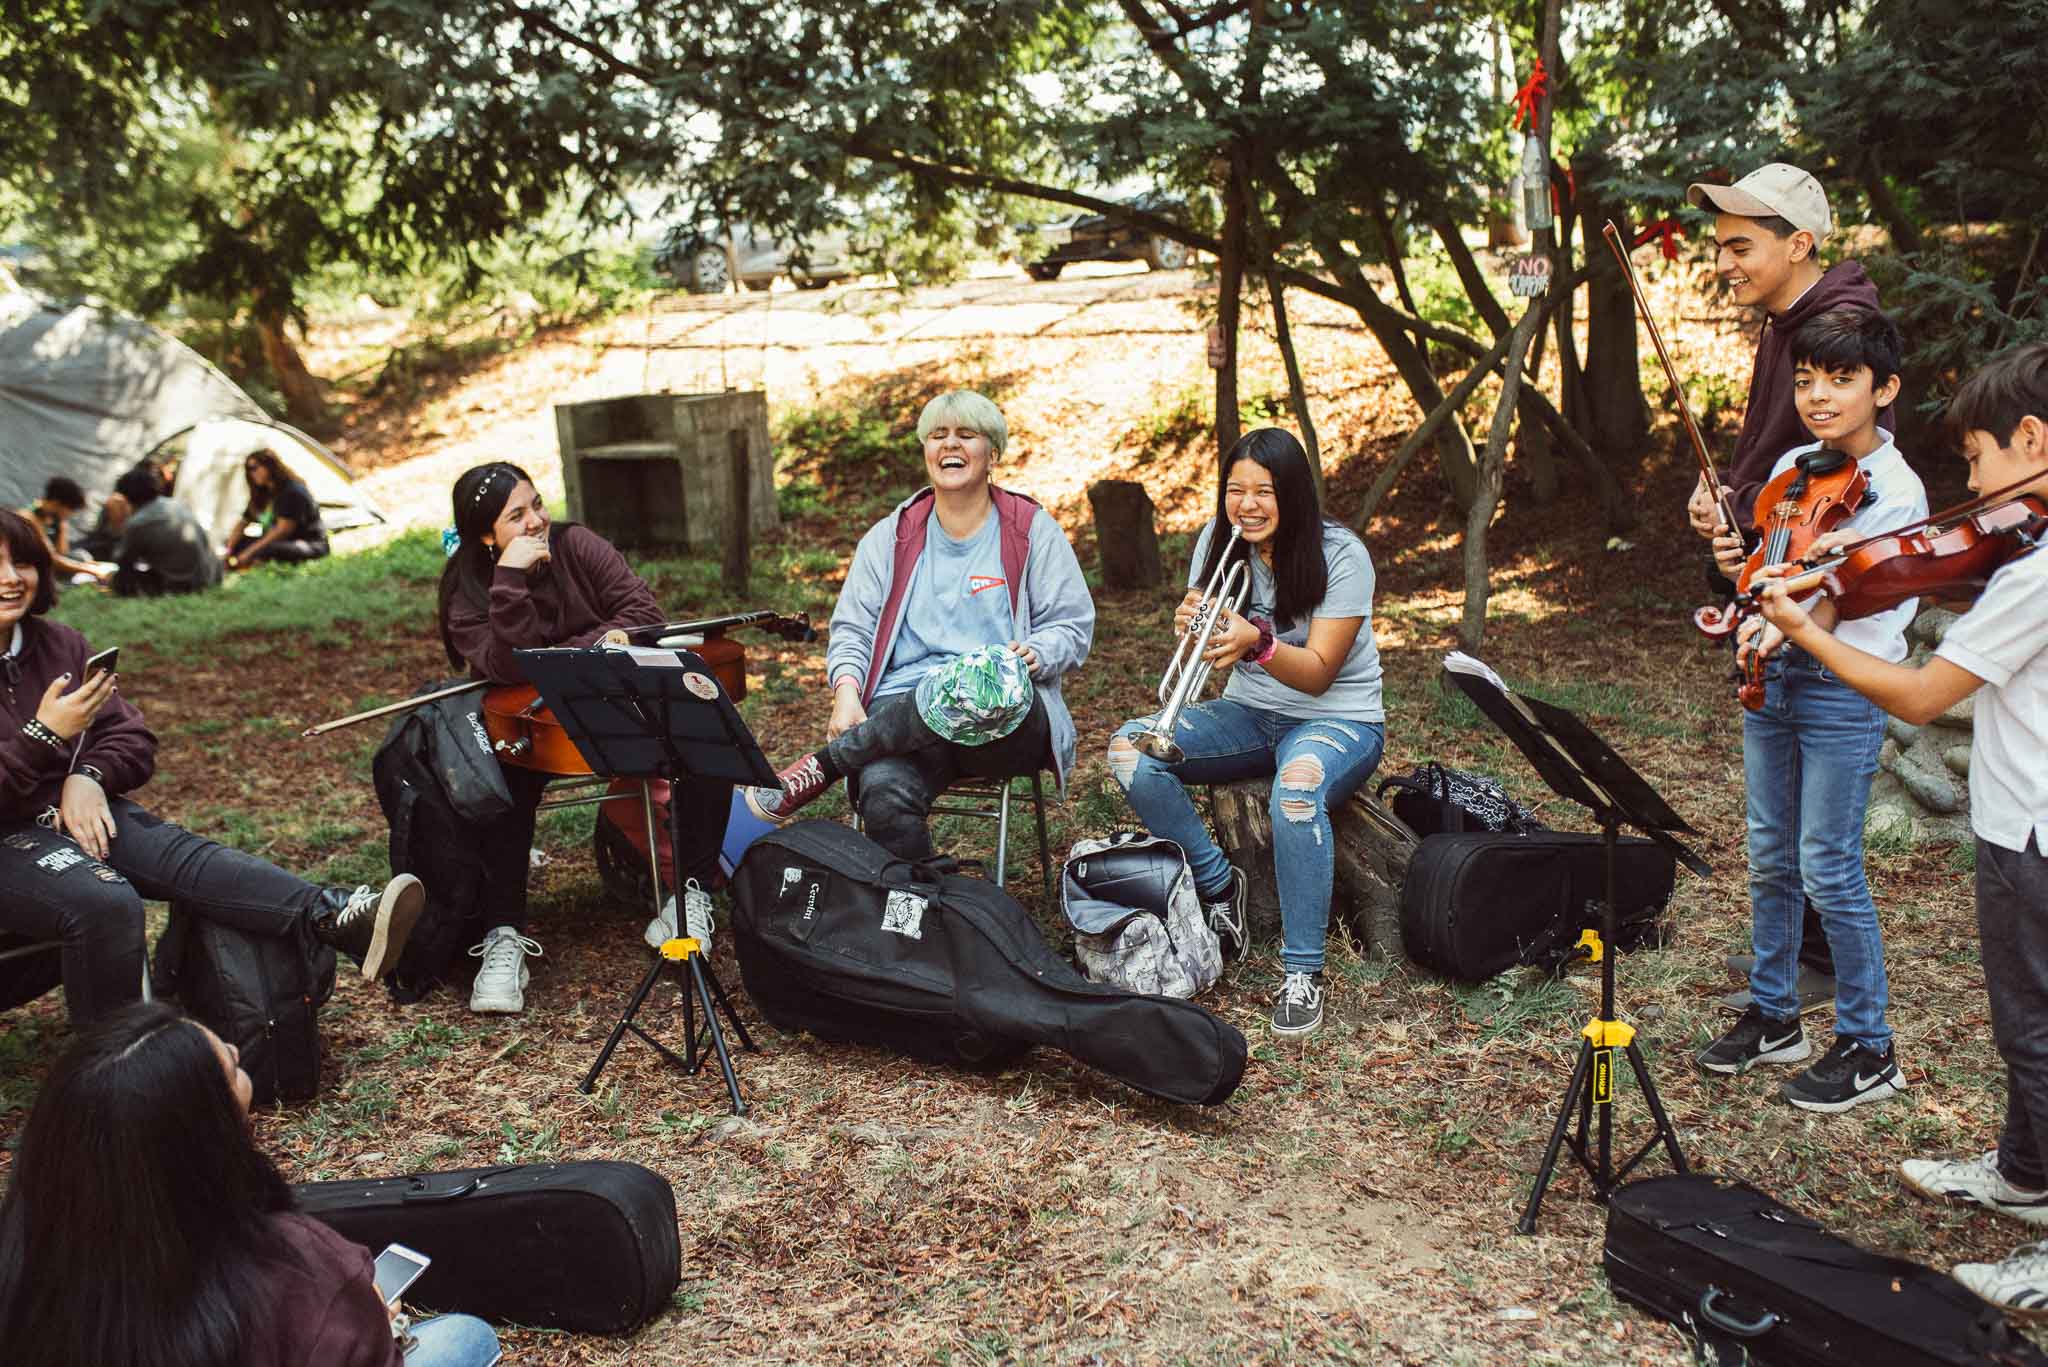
56, 891
902, 766
285, 551
2012, 922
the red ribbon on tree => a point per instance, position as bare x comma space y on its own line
1666, 231
1532, 90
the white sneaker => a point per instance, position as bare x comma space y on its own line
697, 921
662, 928
1975, 1179
501, 979
2019, 1285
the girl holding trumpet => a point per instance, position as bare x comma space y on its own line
1302, 702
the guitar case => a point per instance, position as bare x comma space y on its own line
838, 937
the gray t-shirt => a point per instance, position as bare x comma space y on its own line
958, 600
1354, 695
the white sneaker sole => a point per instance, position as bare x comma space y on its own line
1890, 1087
398, 911
2032, 1314
1791, 1053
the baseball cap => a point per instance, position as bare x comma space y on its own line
1774, 190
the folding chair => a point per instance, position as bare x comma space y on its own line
988, 799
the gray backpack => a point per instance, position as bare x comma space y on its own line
1137, 921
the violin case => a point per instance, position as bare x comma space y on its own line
1751, 1281
588, 1247
839, 938
1477, 902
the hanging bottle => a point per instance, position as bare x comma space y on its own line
1535, 184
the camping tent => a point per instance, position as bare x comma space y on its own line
86, 392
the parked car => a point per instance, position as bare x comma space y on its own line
1096, 237
702, 264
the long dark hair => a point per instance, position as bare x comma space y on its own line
1300, 574
136, 1220
259, 499
481, 493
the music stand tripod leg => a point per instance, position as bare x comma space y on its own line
1548, 1168
699, 974
625, 1023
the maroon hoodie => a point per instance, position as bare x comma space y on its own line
1770, 424
32, 771
582, 590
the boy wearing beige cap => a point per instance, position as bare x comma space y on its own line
1768, 228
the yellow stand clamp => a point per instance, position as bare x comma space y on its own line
1589, 940
1609, 1034
680, 949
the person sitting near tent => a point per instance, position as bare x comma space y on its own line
163, 549
51, 515
78, 855
284, 509
143, 1225
514, 582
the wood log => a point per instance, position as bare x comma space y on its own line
1373, 849
1125, 535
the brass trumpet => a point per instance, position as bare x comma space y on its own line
1187, 672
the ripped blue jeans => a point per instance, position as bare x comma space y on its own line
1318, 764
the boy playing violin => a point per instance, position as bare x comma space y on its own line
2000, 419
1810, 752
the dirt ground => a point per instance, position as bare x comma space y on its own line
1354, 1200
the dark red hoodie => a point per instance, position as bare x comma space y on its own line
1770, 425
32, 771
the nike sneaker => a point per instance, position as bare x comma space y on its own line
1755, 1038
1849, 1074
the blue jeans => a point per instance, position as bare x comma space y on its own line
452, 1341
1808, 758
1319, 764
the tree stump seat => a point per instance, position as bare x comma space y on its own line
1373, 850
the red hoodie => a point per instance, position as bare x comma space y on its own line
1770, 425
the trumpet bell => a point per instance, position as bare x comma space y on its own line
1160, 746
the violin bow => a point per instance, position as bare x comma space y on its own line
1692, 428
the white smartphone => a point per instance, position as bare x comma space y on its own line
398, 1267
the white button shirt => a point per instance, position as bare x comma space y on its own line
2003, 640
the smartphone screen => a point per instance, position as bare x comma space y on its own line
398, 1267
104, 662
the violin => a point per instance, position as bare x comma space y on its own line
525, 734
1952, 554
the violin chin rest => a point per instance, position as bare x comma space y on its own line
1825, 461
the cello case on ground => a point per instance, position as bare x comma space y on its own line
837, 937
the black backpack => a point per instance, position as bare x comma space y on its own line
260, 993
436, 776
1435, 800
838, 937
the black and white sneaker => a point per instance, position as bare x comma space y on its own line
1226, 916
1754, 1039
1975, 1179
1298, 1009
2019, 1285
1849, 1074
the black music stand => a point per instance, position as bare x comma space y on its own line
639, 712
1582, 768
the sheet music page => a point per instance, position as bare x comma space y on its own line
650, 656
1458, 662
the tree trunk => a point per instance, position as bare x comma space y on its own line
1373, 850
1297, 391
1126, 534
303, 402
1616, 420
1472, 628
1230, 291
